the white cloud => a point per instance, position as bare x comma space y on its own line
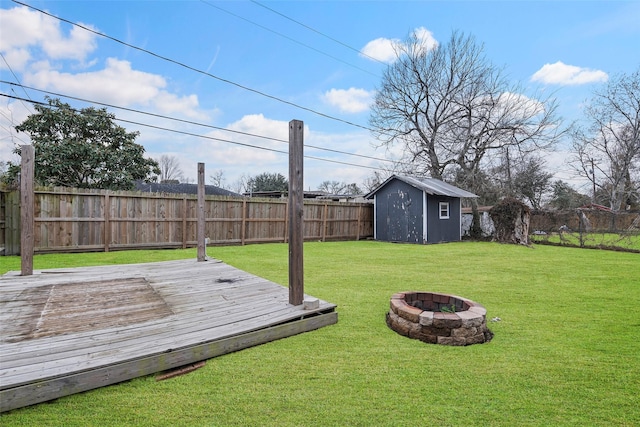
36, 46
517, 104
352, 100
171, 104
16, 59
22, 28
248, 159
386, 50
77, 46
117, 84
12, 114
381, 49
563, 74
426, 38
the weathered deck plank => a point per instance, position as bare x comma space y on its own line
69, 330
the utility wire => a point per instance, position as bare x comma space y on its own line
181, 64
17, 79
245, 145
200, 124
317, 32
204, 136
289, 38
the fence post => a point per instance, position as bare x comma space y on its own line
202, 254
184, 222
27, 152
359, 222
243, 232
324, 222
107, 221
296, 210
286, 222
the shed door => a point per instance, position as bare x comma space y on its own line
401, 221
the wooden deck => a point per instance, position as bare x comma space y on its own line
66, 331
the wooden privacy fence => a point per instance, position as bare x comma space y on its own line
77, 220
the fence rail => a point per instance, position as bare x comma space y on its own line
586, 220
75, 220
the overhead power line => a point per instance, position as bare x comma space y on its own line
181, 64
197, 123
317, 32
287, 37
15, 77
205, 136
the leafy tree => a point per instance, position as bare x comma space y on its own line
8, 175
351, 189
566, 197
84, 149
607, 152
450, 107
268, 182
531, 182
487, 188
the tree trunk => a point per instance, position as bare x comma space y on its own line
511, 219
476, 228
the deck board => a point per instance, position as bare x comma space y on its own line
64, 331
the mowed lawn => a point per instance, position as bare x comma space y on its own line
565, 353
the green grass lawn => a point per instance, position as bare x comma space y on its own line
566, 352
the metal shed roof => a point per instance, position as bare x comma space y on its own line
428, 185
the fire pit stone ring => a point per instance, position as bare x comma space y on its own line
438, 318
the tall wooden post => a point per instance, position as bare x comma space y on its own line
202, 252
296, 208
26, 209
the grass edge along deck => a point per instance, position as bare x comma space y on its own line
251, 330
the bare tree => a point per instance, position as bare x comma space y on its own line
331, 187
372, 181
337, 187
351, 189
241, 185
607, 152
450, 107
170, 169
217, 178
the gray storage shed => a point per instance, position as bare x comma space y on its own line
417, 210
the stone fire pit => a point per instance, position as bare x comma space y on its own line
438, 318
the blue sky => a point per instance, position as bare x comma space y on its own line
563, 48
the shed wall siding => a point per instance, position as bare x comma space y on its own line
443, 230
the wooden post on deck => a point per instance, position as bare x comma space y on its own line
27, 198
296, 208
202, 250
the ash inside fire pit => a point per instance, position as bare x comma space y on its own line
438, 318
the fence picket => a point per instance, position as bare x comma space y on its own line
86, 220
